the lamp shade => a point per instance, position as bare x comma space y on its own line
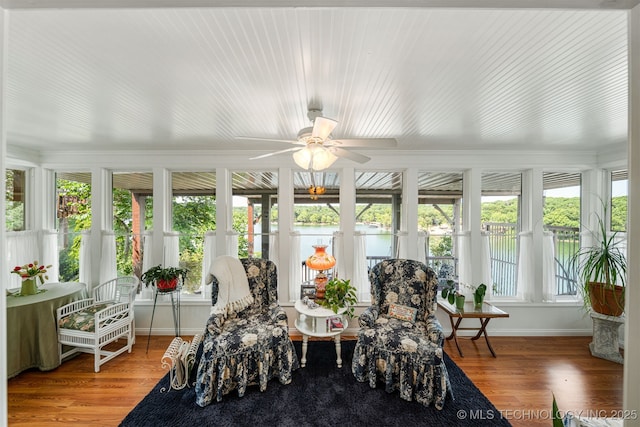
315, 157
320, 259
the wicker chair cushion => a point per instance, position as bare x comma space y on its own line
83, 320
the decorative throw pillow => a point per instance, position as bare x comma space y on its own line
402, 312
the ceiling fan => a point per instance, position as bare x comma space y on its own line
316, 150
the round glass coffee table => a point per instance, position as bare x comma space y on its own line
313, 322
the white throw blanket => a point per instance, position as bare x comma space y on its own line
234, 294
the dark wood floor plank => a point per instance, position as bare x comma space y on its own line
519, 382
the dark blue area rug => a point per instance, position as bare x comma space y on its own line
319, 395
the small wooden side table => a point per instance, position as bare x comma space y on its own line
312, 322
484, 314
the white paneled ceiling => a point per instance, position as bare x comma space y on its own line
433, 78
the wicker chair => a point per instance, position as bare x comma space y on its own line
400, 340
90, 324
249, 347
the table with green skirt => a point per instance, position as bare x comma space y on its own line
32, 335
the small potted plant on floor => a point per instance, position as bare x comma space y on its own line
165, 279
340, 295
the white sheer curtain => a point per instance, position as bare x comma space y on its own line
232, 243
22, 248
422, 246
486, 264
108, 267
147, 244
548, 267
401, 248
360, 267
171, 249
208, 254
295, 267
337, 250
525, 267
464, 257
274, 248
85, 258
50, 254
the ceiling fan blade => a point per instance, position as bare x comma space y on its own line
322, 127
356, 157
275, 153
365, 142
288, 141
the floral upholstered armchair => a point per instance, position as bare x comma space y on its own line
249, 347
400, 340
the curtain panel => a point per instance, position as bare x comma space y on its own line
295, 267
108, 266
22, 248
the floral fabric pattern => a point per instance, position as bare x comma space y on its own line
405, 356
84, 320
250, 347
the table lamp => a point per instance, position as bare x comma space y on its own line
320, 260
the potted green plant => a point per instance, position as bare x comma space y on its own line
340, 295
602, 269
478, 295
451, 294
449, 291
164, 278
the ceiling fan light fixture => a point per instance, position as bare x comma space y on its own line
314, 157
322, 127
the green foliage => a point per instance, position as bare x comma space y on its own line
480, 291
315, 214
69, 262
240, 224
339, 293
562, 211
429, 216
441, 245
14, 210
557, 419
193, 216
192, 262
619, 213
500, 211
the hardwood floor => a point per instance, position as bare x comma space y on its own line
519, 382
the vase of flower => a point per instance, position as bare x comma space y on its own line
30, 273
29, 287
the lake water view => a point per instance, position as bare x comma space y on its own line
379, 241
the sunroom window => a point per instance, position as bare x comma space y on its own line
500, 217
193, 212
73, 217
561, 217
